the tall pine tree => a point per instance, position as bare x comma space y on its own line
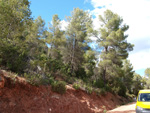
115, 46
76, 35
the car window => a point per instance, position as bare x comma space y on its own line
144, 97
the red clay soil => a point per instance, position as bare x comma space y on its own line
21, 97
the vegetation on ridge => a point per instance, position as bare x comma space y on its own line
48, 56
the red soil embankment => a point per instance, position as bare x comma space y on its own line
21, 97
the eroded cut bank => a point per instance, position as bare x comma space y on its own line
20, 97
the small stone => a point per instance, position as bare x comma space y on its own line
50, 109
12, 104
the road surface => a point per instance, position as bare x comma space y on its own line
129, 108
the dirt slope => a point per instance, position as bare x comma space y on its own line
21, 97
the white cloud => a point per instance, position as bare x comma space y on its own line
86, 1
135, 14
141, 59
64, 24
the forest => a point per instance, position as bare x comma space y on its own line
52, 56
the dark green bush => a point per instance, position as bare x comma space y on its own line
107, 88
99, 83
70, 80
13, 57
59, 87
122, 90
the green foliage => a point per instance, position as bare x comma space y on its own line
99, 83
118, 87
147, 78
102, 91
51, 80
114, 44
76, 40
76, 86
128, 75
13, 57
138, 84
39, 54
55, 38
89, 89
147, 72
122, 90
15, 19
89, 65
38, 79
59, 87
35, 79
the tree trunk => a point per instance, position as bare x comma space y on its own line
104, 76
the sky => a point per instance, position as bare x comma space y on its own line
135, 13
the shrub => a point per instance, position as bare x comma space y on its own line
107, 88
102, 91
13, 57
119, 89
89, 89
122, 91
33, 79
99, 83
51, 80
59, 87
76, 86
70, 80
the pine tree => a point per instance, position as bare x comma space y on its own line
15, 17
115, 46
137, 83
36, 46
76, 35
55, 38
128, 74
147, 78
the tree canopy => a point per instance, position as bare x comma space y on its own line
30, 49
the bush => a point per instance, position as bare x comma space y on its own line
89, 89
33, 79
59, 87
119, 89
13, 57
107, 88
122, 91
51, 80
70, 80
102, 91
76, 86
99, 83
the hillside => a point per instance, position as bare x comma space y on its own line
18, 96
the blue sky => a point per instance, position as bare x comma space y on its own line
135, 13
47, 8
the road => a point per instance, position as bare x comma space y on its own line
129, 108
